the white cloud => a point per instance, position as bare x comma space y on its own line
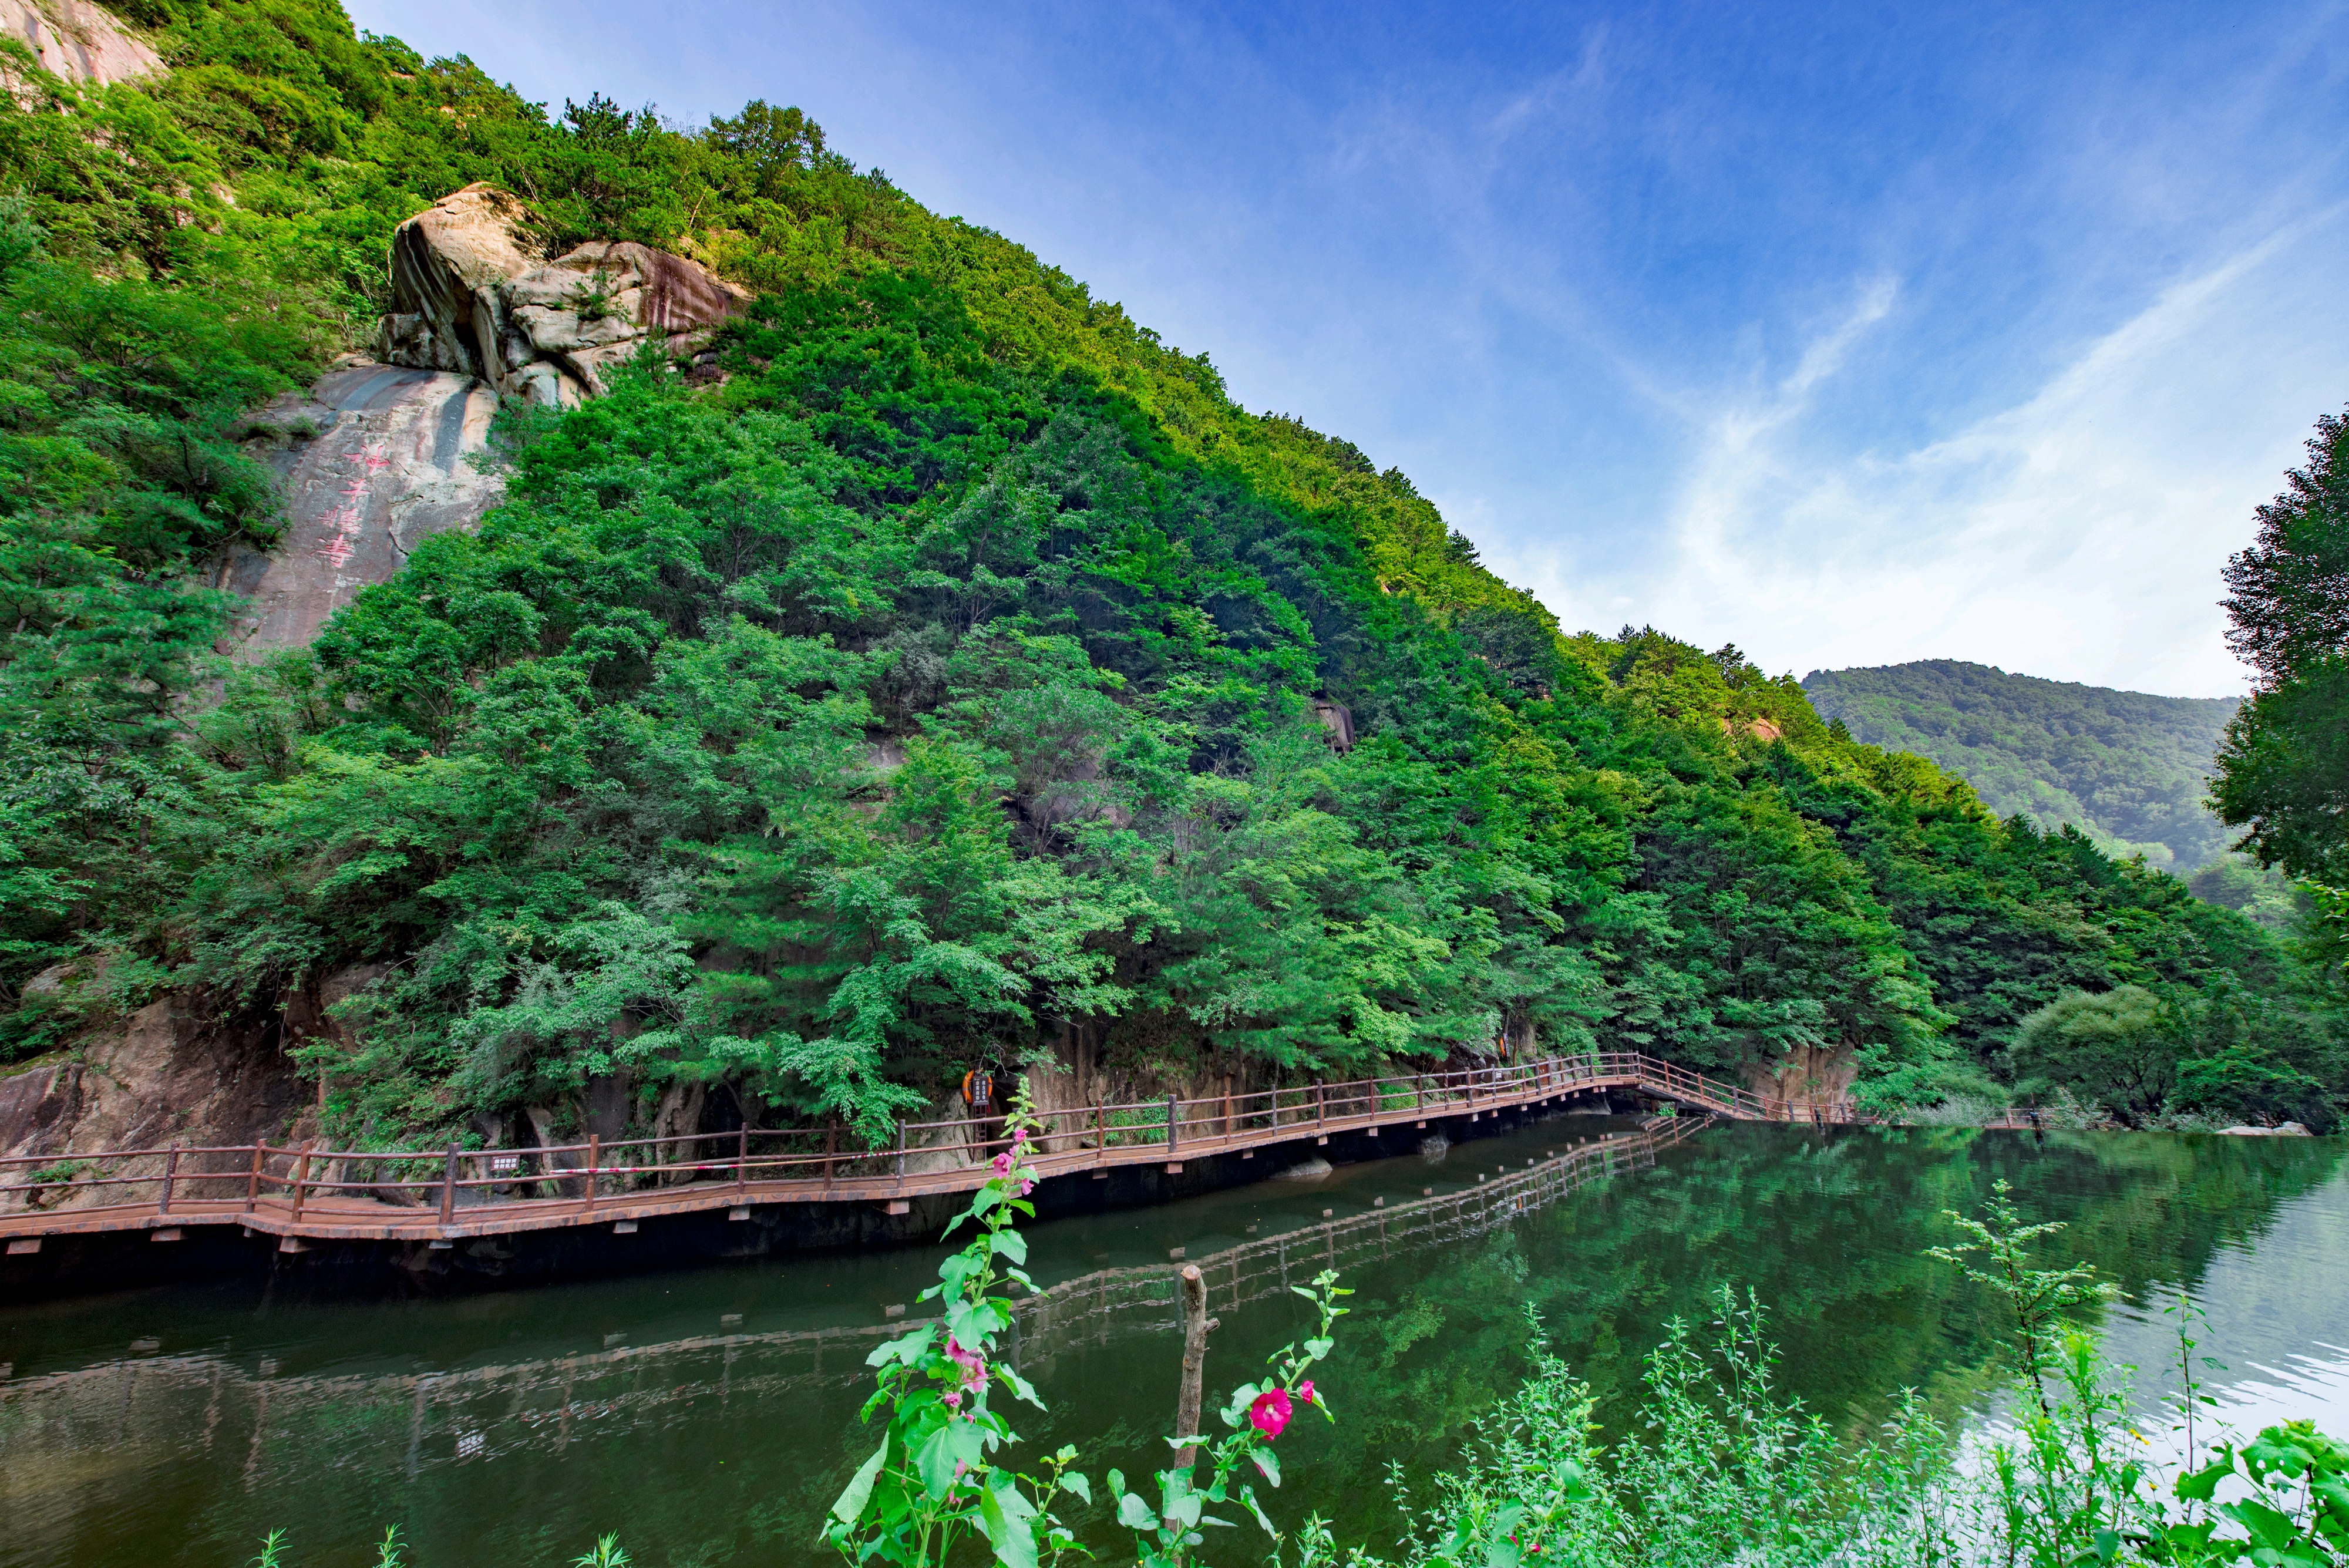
2077, 534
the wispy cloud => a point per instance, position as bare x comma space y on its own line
2077, 534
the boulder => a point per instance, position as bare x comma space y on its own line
473, 294
373, 461
596, 307
448, 262
78, 42
1312, 1169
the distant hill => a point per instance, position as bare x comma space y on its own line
2127, 768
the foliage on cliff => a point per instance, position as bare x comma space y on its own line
962, 672
2128, 769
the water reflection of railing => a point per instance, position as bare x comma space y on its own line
480, 1412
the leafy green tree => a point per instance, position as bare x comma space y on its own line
2119, 1047
2283, 771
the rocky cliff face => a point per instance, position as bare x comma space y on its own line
168, 1074
75, 41
396, 457
378, 456
475, 295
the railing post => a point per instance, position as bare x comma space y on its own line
170, 1173
252, 1182
901, 1154
449, 1187
1419, 1092
1321, 1106
742, 1155
830, 1147
1171, 1113
302, 1178
594, 1158
1101, 1129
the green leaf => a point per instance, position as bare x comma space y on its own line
1010, 1245
1135, 1513
1004, 1513
2271, 1528
1247, 1496
908, 1348
1075, 1482
851, 1502
2199, 1486
1267, 1462
935, 1459
1019, 1385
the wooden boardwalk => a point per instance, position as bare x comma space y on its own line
311, 1195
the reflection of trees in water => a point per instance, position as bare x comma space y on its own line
1826, 1228
296, 1433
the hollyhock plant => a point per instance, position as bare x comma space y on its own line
932, 1491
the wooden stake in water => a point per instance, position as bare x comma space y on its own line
1196, 1325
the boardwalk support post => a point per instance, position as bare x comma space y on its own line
449, 1188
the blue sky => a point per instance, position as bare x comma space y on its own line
1851, 335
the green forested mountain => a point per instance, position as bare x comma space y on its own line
938, 687
2128, 769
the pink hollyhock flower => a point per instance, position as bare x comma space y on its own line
954, 1399
1270, 1412
1305, 1392
1002, 1163
973, 1365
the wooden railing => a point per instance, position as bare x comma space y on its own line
438, 1193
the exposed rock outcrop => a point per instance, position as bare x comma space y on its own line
392, 461
77, 41
473, 292
1806, 1075
167, 1075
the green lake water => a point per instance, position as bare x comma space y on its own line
709, 1417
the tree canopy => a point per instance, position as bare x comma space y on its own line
2283, 769
964, 678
